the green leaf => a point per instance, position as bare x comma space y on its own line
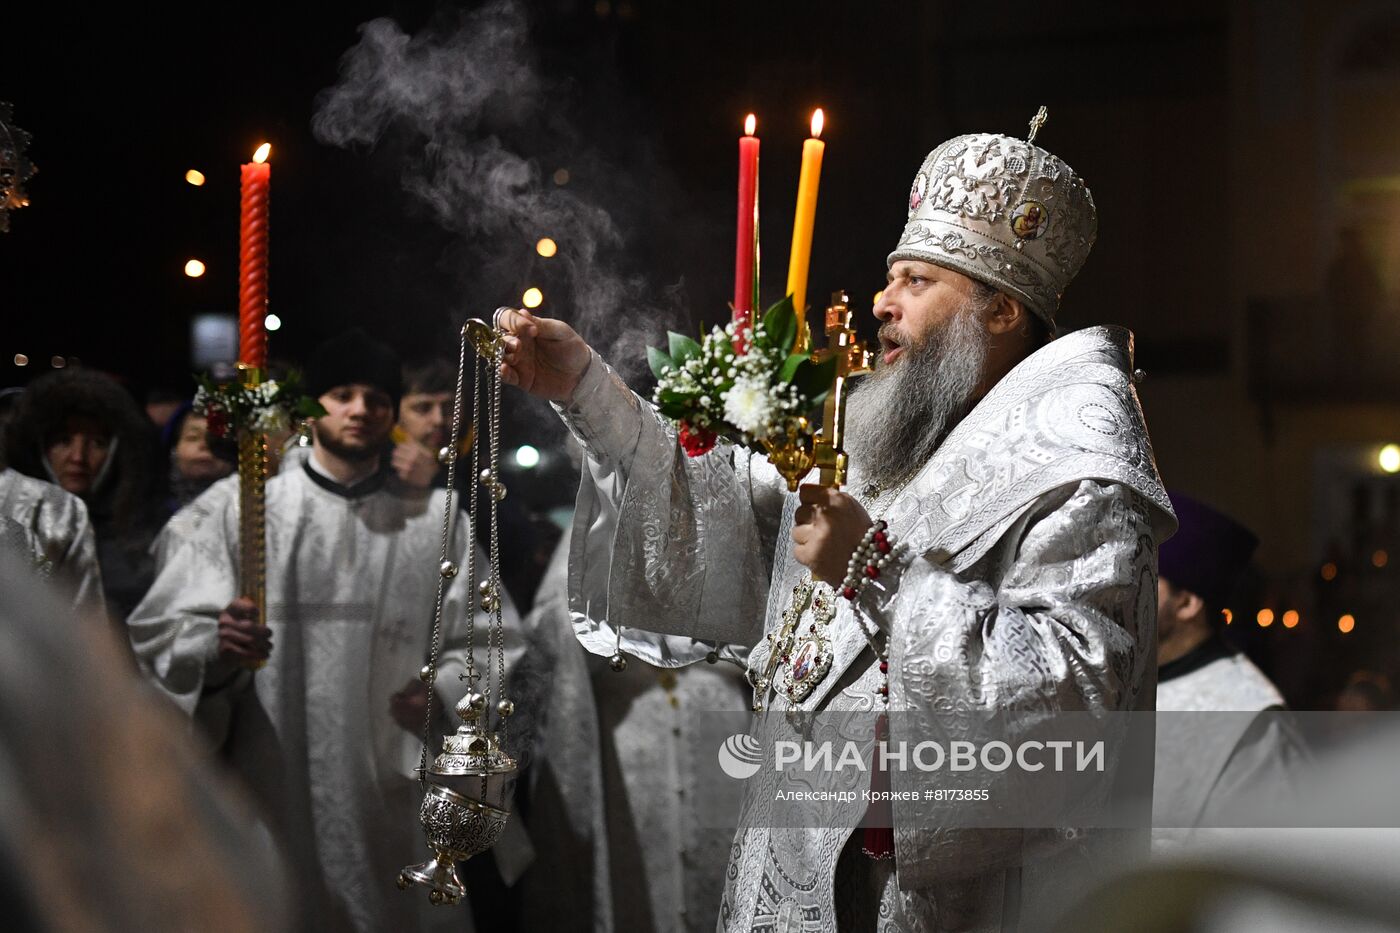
682, 347
308, 407
779, 326
668, 396
815, 379
790, 366
673, 410
660, 362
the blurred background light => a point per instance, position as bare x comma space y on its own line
1389, 458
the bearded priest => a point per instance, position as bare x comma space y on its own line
1013, 568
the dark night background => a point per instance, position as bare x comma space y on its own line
1222, 142
120, 105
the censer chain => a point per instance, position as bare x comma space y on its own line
444, 558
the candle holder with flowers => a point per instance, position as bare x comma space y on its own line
763, 398
270, 407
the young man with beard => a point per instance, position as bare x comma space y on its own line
1024, 512
326, 734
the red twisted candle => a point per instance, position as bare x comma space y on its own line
252, 260
746, 239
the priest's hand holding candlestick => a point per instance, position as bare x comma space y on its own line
242, 637
826, 528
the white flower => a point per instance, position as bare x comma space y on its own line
271, 420
748, 406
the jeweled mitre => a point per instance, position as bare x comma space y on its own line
1005, 212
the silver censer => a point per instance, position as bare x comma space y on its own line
465, 807
467, 789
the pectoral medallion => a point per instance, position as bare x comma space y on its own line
808, 658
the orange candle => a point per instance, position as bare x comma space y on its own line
255, 194
804, 219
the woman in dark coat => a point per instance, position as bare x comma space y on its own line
81, 430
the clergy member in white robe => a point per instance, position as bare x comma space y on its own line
328, 733
1222, 735
1016, 472
616, 814
53, 529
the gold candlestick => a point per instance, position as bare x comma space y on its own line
252, 510
852, 359
795, 456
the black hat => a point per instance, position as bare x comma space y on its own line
352, 357
1207, 554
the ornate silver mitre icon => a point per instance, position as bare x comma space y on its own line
466, 804
1003, 211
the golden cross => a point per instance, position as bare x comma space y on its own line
1037, 122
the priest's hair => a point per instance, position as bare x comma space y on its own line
897, 416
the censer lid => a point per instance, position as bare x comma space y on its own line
471, 751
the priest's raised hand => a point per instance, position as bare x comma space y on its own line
544, 357
241, 638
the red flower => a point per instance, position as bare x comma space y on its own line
697, 441
217, 421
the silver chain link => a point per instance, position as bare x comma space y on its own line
498, 628
443, 558
472, 510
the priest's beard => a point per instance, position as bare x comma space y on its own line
897, 416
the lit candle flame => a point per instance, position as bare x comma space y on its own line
750, 124
818, 120
263, 152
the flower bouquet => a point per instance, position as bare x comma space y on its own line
759, 399
267, 408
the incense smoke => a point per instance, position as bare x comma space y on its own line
479, 127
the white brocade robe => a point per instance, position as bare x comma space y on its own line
616, 818
1223, 740
1030, 586
351, 583
58, 536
